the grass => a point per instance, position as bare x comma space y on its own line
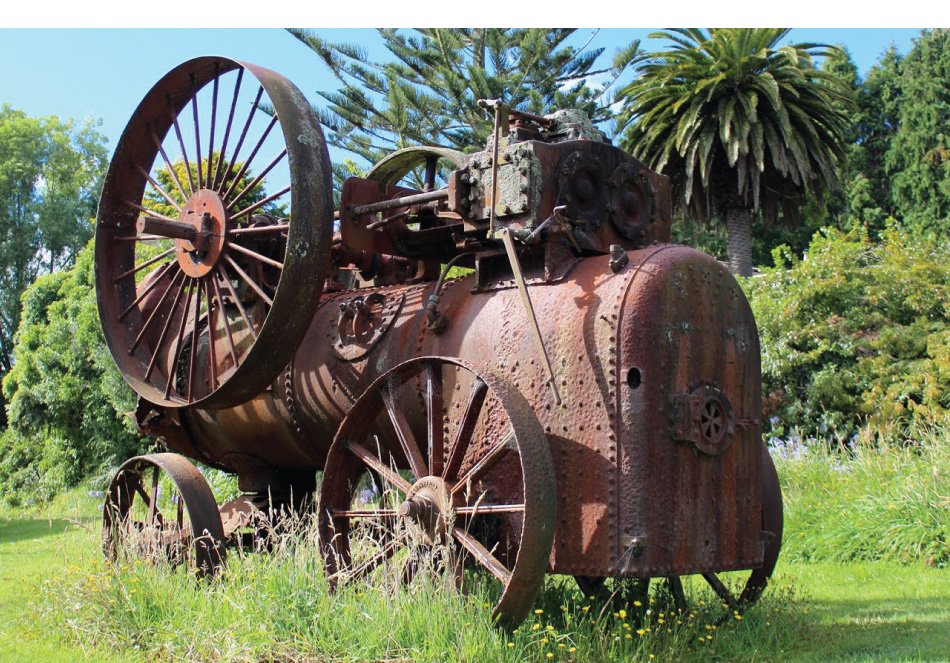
856, 582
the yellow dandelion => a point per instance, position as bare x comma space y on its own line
511, 645
586, 608
572, 650
637, 603
739, 618
640, 631
539, 611
549, 627
549, 655
623, 614
544, 641
709, 637
628, 636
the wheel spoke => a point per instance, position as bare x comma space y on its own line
463, 436
145, 210
251, 282
194, 108
434, 417
257, 179
364, 513
721, 590
147, 263
371, 564
180, 338
484, 464
214, 114
484, 509
227, 130
153, 316
260, 203
224, 320
247, 163
168, 163
153, 499
376, 464
158, 188
276, 228
209, 328
676, 589
237, 150
482, 555
181, 144
155, 283
407, 440
237, 302
254, 254
194, 342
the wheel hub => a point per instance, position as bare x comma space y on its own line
206, 214
429, 506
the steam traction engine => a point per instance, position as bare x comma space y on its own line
585, 401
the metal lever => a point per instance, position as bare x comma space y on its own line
526, 300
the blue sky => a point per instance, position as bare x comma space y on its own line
105, 73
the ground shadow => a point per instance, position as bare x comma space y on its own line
24, 529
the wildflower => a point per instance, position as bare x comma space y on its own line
739, 617
572, 650
535, 627
549, 655
640, 631
628, 636
544, 641
637, 603
623, 614
539, 611
549, 627
511, 645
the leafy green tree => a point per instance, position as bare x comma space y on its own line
426, 94
740, 125
918, 156
50, 173
66, 399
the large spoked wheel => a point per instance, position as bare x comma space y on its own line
459, 474
159, 507
741, 595
214, 234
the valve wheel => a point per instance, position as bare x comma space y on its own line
213, 235
463, 477
159, 506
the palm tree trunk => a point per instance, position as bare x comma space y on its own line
740, 240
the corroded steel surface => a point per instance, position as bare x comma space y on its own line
673, 317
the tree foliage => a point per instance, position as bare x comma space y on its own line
856, 331
65, 396
50, 173
426, 93
918, 158
739, 125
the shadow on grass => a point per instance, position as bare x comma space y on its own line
12, 531
889, 630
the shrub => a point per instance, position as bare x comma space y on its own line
65, 398
855, 332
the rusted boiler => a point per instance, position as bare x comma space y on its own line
585, 401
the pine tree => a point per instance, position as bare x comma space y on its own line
426, 93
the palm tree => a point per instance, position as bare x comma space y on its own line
738, 124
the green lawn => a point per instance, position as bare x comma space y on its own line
864, 611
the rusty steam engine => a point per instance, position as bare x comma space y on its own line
585, 401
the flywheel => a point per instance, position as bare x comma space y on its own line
213, 235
